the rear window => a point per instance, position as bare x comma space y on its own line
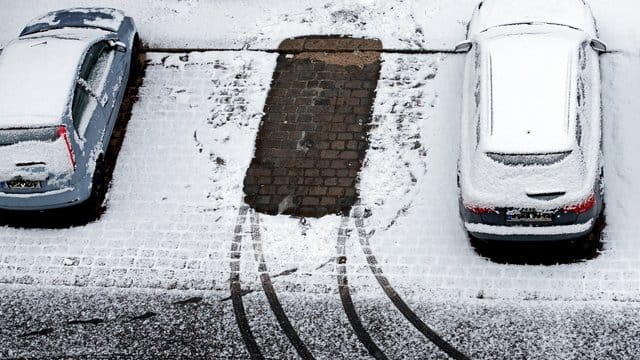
528, 159
14, 136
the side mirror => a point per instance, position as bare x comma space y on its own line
598, 45
463, 47
118, 45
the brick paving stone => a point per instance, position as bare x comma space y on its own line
316, 120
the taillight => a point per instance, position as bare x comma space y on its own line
582, 207
480, 210
62, 131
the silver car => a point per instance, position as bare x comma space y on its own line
62, 82
530, 165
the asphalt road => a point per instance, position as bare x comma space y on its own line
99, 323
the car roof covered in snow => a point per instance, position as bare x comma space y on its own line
37, 75
531, 91
102, 18
573, 13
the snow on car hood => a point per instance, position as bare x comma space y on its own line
503, 12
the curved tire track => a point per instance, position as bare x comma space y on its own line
236, 288
396, 299
271, 294
345, 294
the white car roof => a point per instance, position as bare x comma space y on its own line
531, 92
572, 13
37, 75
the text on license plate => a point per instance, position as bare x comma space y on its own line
529, 217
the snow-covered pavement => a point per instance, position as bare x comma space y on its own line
177, 189
171, 222
197, 24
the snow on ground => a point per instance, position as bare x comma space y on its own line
178, 186
238, 24
434, 24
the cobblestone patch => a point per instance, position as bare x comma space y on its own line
313, 136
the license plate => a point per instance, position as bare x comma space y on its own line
529, 217
22, 184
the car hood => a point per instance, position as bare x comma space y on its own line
492, 13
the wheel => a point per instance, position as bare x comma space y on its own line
136, 64
98, 185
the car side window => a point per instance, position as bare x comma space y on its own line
101, 58
476, 92
581, 93
81, 100
88, 85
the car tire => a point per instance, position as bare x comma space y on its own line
588, 246
136, 65
98, 185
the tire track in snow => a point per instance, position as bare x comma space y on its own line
236, 287
271, 294
395, 298
345, 294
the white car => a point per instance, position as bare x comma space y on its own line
530, 165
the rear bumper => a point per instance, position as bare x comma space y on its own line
564, 225
43, 201
530, 233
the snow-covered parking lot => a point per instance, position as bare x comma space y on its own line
172, 222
